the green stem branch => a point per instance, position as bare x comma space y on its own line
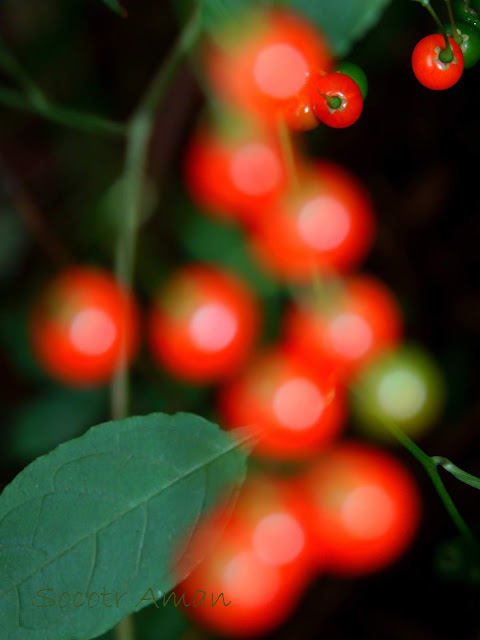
451, 18
138, 135
426, 4
285, 139
61, 115
12, 67
430, 467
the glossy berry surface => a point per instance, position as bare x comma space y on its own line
364, 508
83, 326
235, 172
265, 61
337, 99
261, 561
468, 38
404, 386
355, 321
428, 67
295, 409
202, 324
324, 226
298, 113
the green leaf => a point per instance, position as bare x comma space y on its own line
343, 21
226, 245
58, 415
14, 241
115, 6
108, 513
461, 475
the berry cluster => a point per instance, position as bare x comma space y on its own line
352, 508
438, 60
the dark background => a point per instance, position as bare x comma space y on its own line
417, 152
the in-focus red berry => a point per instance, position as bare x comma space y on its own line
261, 562
202, 324
323, 226
295, 409
266, 60
365, 508
350, 325
432, 65
337, 99
84, 326
236, 171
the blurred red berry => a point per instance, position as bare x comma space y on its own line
365, 508
295, 409
323, 226
84, 327
265, 61
260, 563
354, 321
235, 172
202, 324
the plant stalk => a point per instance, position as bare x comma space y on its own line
138, 135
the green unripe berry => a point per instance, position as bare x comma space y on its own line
468, 37
356, 73
465, 12
403, 386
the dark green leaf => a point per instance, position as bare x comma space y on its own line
108, 512
343, 21
60, 414
461, 475
115, 6
15, 340
13, 242
216, 243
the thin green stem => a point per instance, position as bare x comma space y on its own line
32, 98
12, 67
139, 132
285, 138
426, 4
61, 115
430, 467
451, 17
125, 629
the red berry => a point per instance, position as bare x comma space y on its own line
299, 114
260, 562
325, 225
83, 325
365, 508
266, 60
236, 172
202, 324
430, 66
355, 321
337, 99
296, 410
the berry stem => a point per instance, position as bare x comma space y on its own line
285, 138
139, 133
334, 102
430, 465
448, 56
31, 98
451, 17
